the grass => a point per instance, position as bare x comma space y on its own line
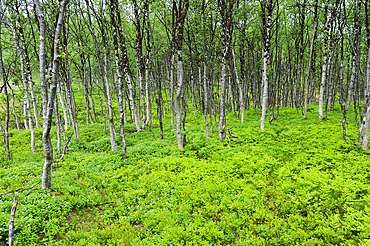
296, 183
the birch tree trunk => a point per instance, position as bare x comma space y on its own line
206, 91
29, 74
180, 12
354, 57
5, 86
226, 10
69, 91
25, 87
323, 76
266, 55
126, 68
240, 87
48, 100
103, 79
119, 76
310, 61
366, 120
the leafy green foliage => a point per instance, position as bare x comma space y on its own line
296, 183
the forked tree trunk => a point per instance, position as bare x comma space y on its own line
48, 100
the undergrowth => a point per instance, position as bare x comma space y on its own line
296, 183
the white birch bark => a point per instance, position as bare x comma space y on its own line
180, 76
48, 101
266, 56
172, 85
148, 100
365, 141
30, 81
240, 87
25, 87
309, 67
324, 66
65, 112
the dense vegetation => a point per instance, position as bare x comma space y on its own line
295, 183
202, 122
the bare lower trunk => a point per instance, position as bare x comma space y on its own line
48, 101
58, 125
366, 127
309, 67
65, 113
351, 83
240, 87
180, 76
69, 93
11, 222
29, 74
14, 111
265, 89
148, 100
222, 116
172, 85
322, 86
6, 128
112, 129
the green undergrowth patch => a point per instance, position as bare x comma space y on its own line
296, 183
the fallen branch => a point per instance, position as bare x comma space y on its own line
11, 223
20, 190
228, 138
101, 204
64, 150
232, 135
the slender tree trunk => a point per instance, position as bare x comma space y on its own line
240, 87
29, 74
103, 80
266, 55
159, 107
58, 125
324, 66
310, 62
366, 120
25, 87
119, 76
48, 100
172, 85
5, 84
226, 10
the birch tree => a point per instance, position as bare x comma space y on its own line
226, 11
48, 97
267, 8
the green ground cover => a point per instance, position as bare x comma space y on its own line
297, 183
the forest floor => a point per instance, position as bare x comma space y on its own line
296, 183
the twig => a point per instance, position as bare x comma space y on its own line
228, 138
11, 223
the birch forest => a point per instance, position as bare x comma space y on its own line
184, 122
